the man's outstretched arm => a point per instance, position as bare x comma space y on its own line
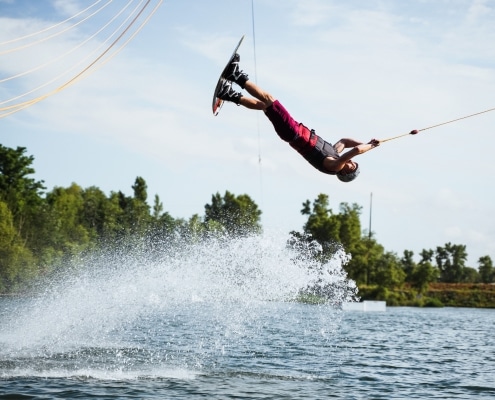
345, 143
360, 148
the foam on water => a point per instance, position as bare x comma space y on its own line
129, 314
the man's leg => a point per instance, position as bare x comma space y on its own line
261, 100
285, 126
254, 103
264, 98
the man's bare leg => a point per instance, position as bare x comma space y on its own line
261, 101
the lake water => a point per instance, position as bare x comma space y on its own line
214, 321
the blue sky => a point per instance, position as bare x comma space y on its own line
360, 69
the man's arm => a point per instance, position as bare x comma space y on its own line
360, 148
345, 143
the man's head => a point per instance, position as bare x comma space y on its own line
349, 172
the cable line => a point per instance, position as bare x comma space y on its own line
257, 114
71, 50
52, 36
102, 58
50, 27
415, 131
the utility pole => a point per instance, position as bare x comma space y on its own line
371, 206
369, 242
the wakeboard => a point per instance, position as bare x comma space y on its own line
217, 103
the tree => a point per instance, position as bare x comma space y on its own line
96, 214
162, 223
485, 269
140, 210
470, 275
133, 217
194, 229
157, 208
424, 272
322, 225
16, 261
65, 208
350, 226
238, 215
342, 230
21, 193
426, 255
422, 275
365, 261
408, 264
389, 273
451, 262
140, 189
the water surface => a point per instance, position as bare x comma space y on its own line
216, 320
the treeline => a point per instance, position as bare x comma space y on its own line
42, 231
372, 265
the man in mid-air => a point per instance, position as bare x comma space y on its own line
319, 153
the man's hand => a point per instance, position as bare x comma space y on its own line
374, 143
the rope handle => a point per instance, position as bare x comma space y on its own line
413, 132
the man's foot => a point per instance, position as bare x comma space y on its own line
233, 73
226, 93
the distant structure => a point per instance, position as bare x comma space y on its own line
365, 306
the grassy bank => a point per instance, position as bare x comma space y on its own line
438, 295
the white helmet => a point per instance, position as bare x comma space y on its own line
350, 176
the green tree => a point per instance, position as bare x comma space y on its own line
96, 214
139, 207
350, 226
389, 272
470, 275
162, 224
451, 261
21, 193
322, 224
157, 208
485, 269
332, 231
367, 258
17, 264
342, 230
238, 215
140, 189
427, 255
408, 264
194, 229
65, 207
134, 217
424, 273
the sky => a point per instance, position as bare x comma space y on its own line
360, 69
